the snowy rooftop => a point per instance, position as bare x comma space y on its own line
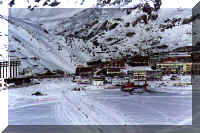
180, 54
139, 68
170, 62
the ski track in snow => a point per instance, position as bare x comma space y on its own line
83, 111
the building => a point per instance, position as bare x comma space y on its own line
95, 63
138, 61
9, 69
187, 68
154, 59
154, 75
174, 67
184, 59
97, 81
111, 72
170, 67
85, 71
144, 73
179, 57
187, 49
176, 64
169, 59
114, 63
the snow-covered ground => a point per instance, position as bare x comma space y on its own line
61, 106
4, 109
167, 85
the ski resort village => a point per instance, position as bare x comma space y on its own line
129, 73
100, 66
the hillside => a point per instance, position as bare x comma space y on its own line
58, 38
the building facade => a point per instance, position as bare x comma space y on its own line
115, 63
145, 73
9, 69
111, 63
174, 68
85, 71
98, 81
138, 61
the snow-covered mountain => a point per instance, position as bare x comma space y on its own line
58, 38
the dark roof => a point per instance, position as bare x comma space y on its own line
97, 62
84, 69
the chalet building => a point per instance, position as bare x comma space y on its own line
177, 58
176, 64
95, 63
154, 75
138, 61
111, 72
170, 67
184, 49
115, 63
187, 68
154, 59
84, 71
184, 59
145, 73
9, 69
169, 59
97, 81
174, 67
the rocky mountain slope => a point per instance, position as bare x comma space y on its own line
60, 38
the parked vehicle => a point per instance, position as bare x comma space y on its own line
128, 87
174, 77
131, 86
84, 81
76, 78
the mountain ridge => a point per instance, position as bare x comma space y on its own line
63, 38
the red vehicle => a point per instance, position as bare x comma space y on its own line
128, 87
132, 86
